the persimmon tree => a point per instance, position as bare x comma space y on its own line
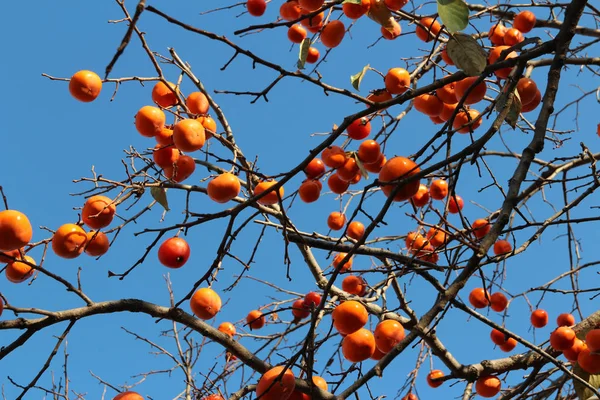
427, 241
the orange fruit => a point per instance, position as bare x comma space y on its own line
512, 37
69, 241
415, 242
97, 244
165, 156
493, 57
532, 105
572, 353
183, 169
428, 29
375, 167
314, 22
524, 21
481, 227
197, 103
475, 95
355, 11
98, 212
129, 395
563, 338
397, 80
349, 316
432, 376
337, 262
15, 230
355, 285
188, 135
299, 309
290, 10
227, 328
446, 57
487, 386
164, 95
509, 346
9, 256
224, 187
428, 104
527, 90
359, 128
334, 156
589, 361
399, 168
455, 204
358, 346
379, 96
447, 112
336, 221
565, 319
337, 184
272, 197
498, 337
149, 121
421, 198
355, 230
311, 5
467, 121
498, 302
174, 252
312, 56
592, 340
539, 318
369, 151
438, 190
447, 93
310, 190
256, 8
437, 237
18, 271
317, 381
502, 247
410, 396
388, 334
214, 396
164, 137
496, 34
315, 168
393, 33
85, 86
437, 120
348, 171
296, 33
255, 319
479, 298
205, 303
272, 387
395, 5
333, 34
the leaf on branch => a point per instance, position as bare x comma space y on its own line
363, 172
356, 79
467, 54
381, 14
160, 195
515, 107
583, 393
454, 14
304, 46
352, 1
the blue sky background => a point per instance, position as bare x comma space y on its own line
49, 139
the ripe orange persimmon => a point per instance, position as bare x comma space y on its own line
455, 204
447, 112
509, 346
255, 319
563, 338
388, 334
476, 94
223, 187
379, 96
467, 121
428, 29
174, 252
164, 95
359, 129
312, 23
496, 34
592, 340
309, 190
395, 5
495, 55
589, 361
437, 236
197, 103
498, 337
296, 33
565, 319
348, 171
487, 386
498, 302
393, 32
524, 21
349, 316
312, 299
502, 247
213, 397
399, 168
299, 309
164, 137
446, 57
479, 298
334, 156
290, 10
256, 8
336, 220
447, 93
85, 86
312, 56
512, 37
432, 376
539, 318
97, 244
315, 168
355, 230
18, 271
355, 285
149, 121
272, 197
397, 80
165, 156
333, 33
337, 262
205, 303
355, 11
188, 135
527, 90
6, 257
210, 126
428, 104
421, 198
415, 242
369, 151
438, 190
69, 241
375, 167
272, 387
358, 346
129, 395
337, 184
184, 167
15, 230
227, 328
572, 353
532, 105
311, 5
98, 212
481, 227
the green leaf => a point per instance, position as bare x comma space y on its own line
356, 79
467, 54
515, 107
352, 1
304, 46
160, 195
454, 14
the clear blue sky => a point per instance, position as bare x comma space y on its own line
49, 139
